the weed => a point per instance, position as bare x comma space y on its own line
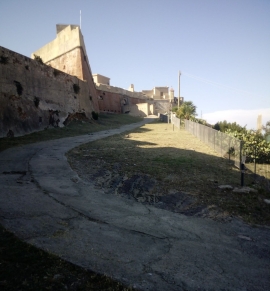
38, 59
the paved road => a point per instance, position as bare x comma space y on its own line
46, 204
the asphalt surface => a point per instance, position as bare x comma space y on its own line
46, 204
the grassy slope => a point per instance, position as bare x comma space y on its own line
179, 161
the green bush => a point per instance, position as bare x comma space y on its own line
255, 146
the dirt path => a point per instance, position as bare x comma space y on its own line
46, 204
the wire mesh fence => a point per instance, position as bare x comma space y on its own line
258, 168
225, 145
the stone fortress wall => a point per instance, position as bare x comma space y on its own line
67, 53
34, 95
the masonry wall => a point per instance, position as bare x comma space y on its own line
141, 109
67, 53
34, 96
115, 102
161, 106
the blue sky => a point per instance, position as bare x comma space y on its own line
222, 47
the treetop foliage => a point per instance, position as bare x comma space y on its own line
186, 111
223, 126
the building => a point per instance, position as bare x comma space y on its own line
99, 79
158, 93
67, 53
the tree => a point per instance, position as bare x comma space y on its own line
187, 110
255, 146
175, 108
224, 125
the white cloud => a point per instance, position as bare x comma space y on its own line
242, 117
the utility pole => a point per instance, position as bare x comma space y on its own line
179, 89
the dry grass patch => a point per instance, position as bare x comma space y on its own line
178, 161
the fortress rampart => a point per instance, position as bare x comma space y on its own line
67, 53
34, 95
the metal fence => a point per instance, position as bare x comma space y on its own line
175, 121
225, 145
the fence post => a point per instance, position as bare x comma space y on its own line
214, 140
221, 143
242, 165
255, 154
229, 148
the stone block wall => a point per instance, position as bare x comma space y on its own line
115, 102
34, 95
67, 53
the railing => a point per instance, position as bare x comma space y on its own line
225, 145
222, 143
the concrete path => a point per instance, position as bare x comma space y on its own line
46, 204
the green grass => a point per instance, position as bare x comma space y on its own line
178, 161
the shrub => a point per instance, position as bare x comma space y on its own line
255, 146
174, 109
94, 115
38, 59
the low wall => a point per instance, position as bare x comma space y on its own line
116, 102
34, 95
